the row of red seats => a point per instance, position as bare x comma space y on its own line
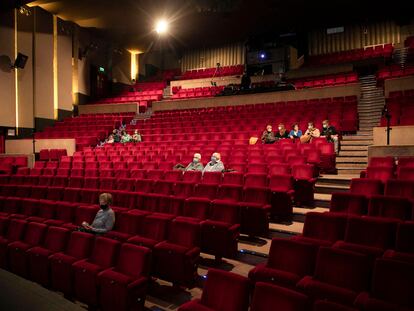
215, 235
99, 272
324, 81
52, 154
144, 86
382, 50
229, 291
9, 164
192, 93
385, 168
210, 72
394, 72
400, 106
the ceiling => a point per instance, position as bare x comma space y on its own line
205, 22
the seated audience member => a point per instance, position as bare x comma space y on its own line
125, 138
105, 218
110, 139
117, 136
215, 165
282, 133
295, 133
331, 134
268, 137
136, 137
310, 133
194, 165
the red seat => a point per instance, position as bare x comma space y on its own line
17, 250
288, 262
232, 179
196, 208
180, 251
267, 296
124, 286
338, 285
222, 291
219, 233
380, 173
392, 287
15, 231
212, 178
368, 235
405, 173
64, 213
304, 184
348, 203
86, 271
255, 180
404, 248
323, 228
390, 207
55, 241
127, 225
281, 188
229, 192
325, 305
367, 187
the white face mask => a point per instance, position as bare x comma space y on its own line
280, 128
309, 126
325, 126
196, 160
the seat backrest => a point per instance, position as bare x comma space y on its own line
229, 192
255, 180
212, 178
302, 171
184, 233
381, 162
104, 252
173, 175
163, 187
390, 207
56, 239
225, 291
232, 179
155, 227
405, 237
292, 256
371, 231
225, 211
381, 173
267, 295
133, 260
393, 281
366, 186
16, 229
80, 244
348, 203
401, 188
324, 226
197, 208
65, 211
35, 233
353, 274
405, 173
256, 195
281, 182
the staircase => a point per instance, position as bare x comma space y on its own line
400, 56
353, 156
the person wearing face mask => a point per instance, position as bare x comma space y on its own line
310, 133
268, 137
196, 164
331, 134
105, 218
281, 133
295, 133
215, 165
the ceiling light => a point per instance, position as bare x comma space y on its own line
161, 26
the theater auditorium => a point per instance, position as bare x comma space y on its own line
206, 155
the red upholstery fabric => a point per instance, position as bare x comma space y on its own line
390, 207
348, 203
15, 230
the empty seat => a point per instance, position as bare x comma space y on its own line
86, 271
323, 228
267, 297
181, 251
55, 241
282, 192
127, 225
348, 203
339, 285
392, 287
222, 291
325, 305
368, 235
401, 188
390, 207
380, 173
15, 231
124, 286
367, 187
288, 262
196, 208
17, 250
304, 183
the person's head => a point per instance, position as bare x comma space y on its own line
281, 127
215, 157
111, 136
325, 124
197, 157
269, 128
310, 125
105, 200
114, 131
295, 127
136, 132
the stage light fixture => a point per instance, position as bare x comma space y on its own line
161, 26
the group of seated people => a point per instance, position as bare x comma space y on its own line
328, 131
122, 136
215, 164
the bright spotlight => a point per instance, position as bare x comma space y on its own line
161, 26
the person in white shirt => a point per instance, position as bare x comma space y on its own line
215, 164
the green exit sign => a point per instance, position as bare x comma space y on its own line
101, 69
